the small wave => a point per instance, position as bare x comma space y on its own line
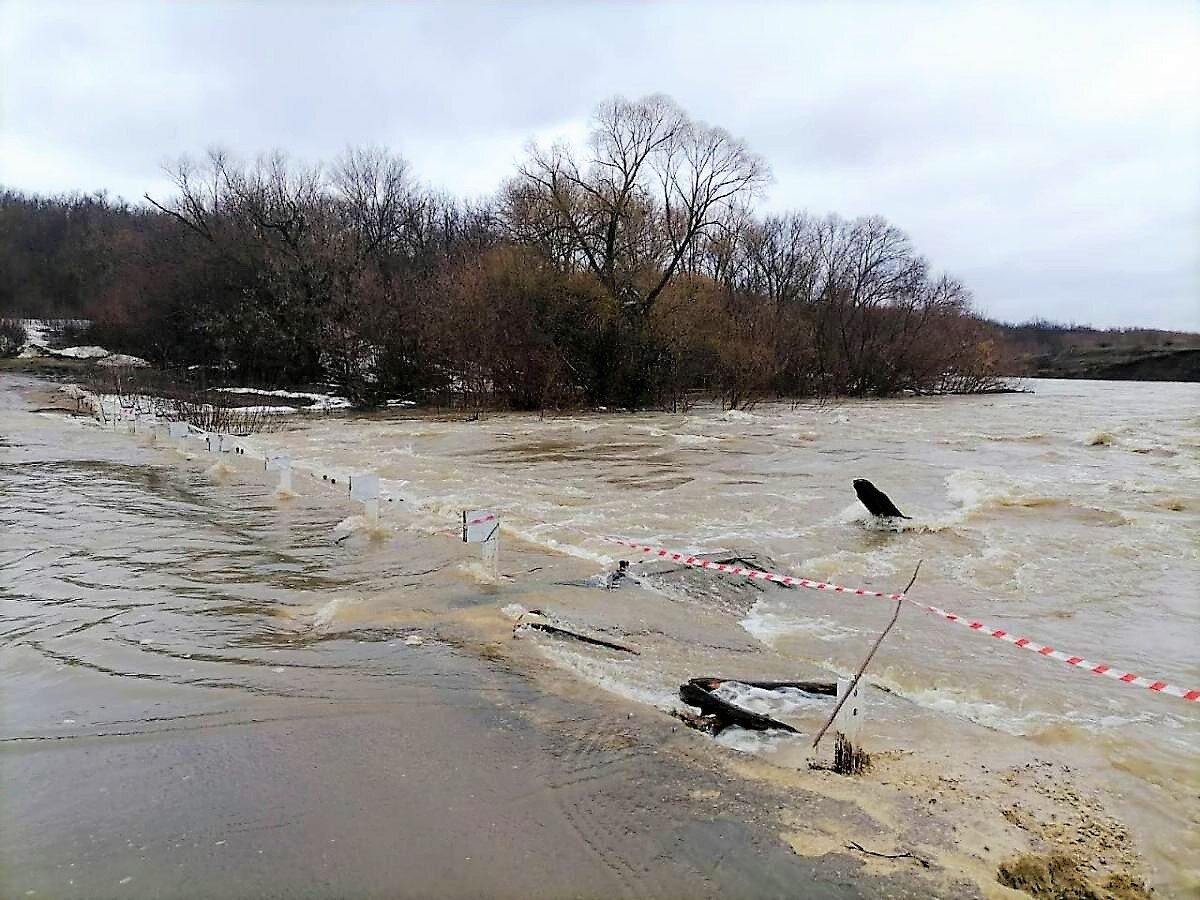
978, 490
1134, 487
373, 529
918, 523
756, 743
780, 703
737, 415
768, 627
696, 440
327, 614
476, 571
967, 705
219, 471
615, 676
1100, 439
1028, 437
540, 539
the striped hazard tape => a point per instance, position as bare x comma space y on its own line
1160, 687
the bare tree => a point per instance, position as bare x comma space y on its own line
652, 186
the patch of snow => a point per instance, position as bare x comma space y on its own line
90, 352
320, 401
35, 333
267, 410
123, 359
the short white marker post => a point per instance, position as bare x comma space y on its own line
178, 431
365, 489
847, 729
483, 527
281, 463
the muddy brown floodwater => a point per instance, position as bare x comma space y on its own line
212, 690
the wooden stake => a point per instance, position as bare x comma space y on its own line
866, 662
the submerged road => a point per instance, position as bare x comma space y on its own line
174, 724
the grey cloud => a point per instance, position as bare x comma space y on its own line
1047, 153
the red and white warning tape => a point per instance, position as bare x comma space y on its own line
490, 517
759, 575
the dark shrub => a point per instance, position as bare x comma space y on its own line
12, 337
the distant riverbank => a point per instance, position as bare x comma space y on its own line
1101, 364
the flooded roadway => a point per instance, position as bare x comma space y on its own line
217, 680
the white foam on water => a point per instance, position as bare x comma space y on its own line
1135, 486
621, 677
769, 626
220, 471
476, 571
757, 743
327, 614
738, 415
781, 703
918, 522
514, 611
965, 704
978, 490
697, 440
538, 536
373, 528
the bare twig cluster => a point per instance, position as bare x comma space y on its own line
138, 393
630, 271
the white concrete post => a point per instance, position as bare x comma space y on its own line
849, 718
483, 527
491, 556
364, 488
179, 431
281, 463
849, 758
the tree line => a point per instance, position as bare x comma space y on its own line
631, 272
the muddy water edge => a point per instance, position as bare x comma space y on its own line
211, 690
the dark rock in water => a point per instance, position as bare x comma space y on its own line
875, 500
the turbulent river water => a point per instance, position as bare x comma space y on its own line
1069, 515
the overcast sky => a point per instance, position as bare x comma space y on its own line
1047, 154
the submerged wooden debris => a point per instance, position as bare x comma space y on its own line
849, 759
718, 714
574, 635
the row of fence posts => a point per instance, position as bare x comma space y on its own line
479, 527
483, 527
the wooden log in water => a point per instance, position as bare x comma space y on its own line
827, 688
586, 638
698, 693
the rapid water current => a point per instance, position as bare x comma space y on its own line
1070, 515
